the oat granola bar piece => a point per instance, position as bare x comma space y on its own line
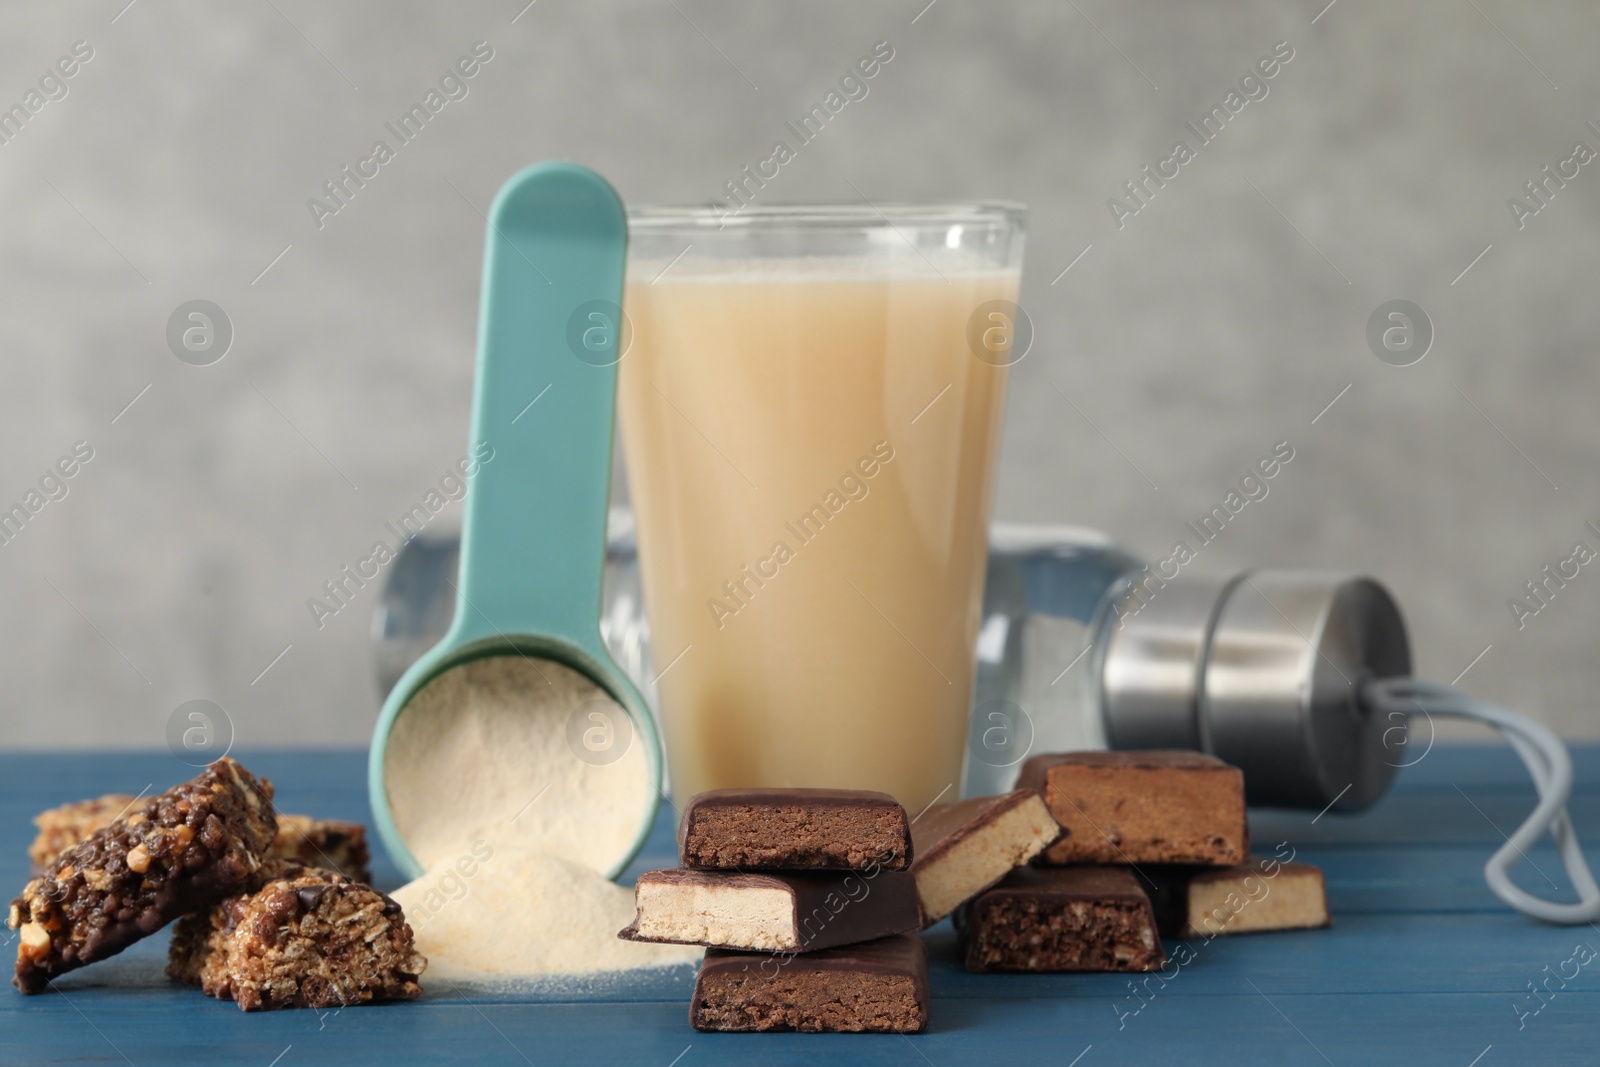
1157, 806
326, 843
309, 938
197, 842
63, 827
794, 830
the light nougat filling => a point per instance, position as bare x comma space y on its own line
982, 858
754, 917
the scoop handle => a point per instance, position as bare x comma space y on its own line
533, 535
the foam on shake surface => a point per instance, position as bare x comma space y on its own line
885, 265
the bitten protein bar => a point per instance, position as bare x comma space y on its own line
794, 829
779, 911
1142, 807
965, 847
879, 986
1062, 919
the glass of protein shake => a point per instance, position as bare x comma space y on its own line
811, 402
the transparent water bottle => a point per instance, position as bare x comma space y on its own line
1082, 646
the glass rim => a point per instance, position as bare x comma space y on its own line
819, 216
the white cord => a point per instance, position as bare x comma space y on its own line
1549, 764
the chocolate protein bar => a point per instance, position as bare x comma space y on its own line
779, 911
196, 843
794, 829
1062, 919
1262, 895
1142, 807
879, 986
965, 847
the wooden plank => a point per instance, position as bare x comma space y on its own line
1470, 815
1255, 1025
1422, 966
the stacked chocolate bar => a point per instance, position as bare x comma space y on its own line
805, 901
1133, 824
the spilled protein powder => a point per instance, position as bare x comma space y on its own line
517, 784
524, 914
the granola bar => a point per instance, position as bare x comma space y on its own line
327, 843
309, 938
176, 852
61, 828
338, 846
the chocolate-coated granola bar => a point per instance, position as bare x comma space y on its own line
337, 846
176, 852
63, 827
308, 938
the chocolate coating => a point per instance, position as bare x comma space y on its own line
943, 826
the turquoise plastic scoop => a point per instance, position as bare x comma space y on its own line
533, 536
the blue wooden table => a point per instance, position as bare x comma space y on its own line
1422, 966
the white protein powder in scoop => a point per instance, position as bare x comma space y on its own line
523, 752
497, 912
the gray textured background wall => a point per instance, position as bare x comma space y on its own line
1224, 316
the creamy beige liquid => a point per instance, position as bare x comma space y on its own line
811, 458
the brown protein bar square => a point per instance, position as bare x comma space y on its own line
876, 986
1062, 919
1142, 807
794, 830
176, 852
309, 938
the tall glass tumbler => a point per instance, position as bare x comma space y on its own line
811, 403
